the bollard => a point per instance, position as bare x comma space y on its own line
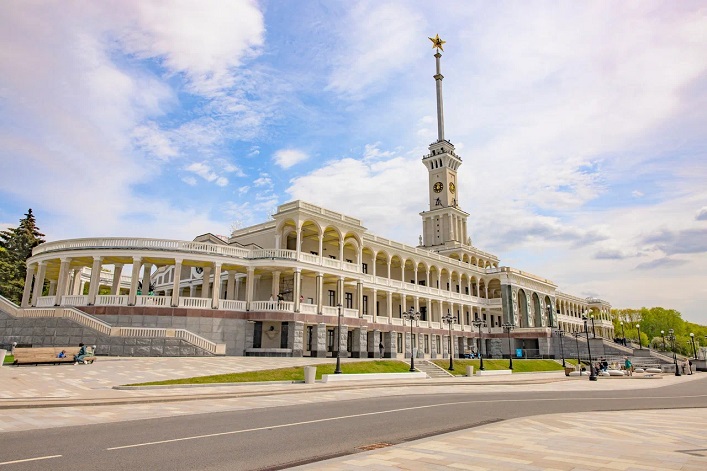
470, 371
3, 352
310, 372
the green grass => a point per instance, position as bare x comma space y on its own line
9, 359
519, 366
289, 374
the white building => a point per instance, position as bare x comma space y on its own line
278, 288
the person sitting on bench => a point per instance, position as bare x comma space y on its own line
79, 357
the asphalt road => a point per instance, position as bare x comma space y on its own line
278, 437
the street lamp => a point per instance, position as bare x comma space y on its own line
508, 327
450, 319
594, 332
623, 334
662, 334
337, 371
592, 376
694, 349
671, 339
412, 316
638, 326
561, 333
479, 323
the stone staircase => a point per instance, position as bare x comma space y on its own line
431, 370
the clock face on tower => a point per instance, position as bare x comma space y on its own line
452, 187
438, 187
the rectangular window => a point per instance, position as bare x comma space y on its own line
349, 341
427, 343
257, 334
423, 313
466, 290
378, 307
364, 267
400, 342
457, 288
310, 334
283, 334
365, 305
414, 342
421, 282
332, 297
438, 343
330, 340
349, 300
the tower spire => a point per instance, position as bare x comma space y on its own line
437, 43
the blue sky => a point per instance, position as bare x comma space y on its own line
581, 126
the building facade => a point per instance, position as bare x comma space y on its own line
311, 281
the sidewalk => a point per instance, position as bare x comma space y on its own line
66, 395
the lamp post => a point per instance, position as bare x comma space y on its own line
576, 341
412, 316
623, 334
671, 339
450, 319
561, 333
662, 334
592, 376
337, 371
594, 332
508, 327
694, 349
638, 326
479, 323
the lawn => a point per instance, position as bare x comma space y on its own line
519, 366
9, 359
289, 374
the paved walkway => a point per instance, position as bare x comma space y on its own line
55, 396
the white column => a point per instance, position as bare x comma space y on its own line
321, 244
320, 288
133, 280
275, 286
117, 274
359, 298
76, 283
27, 292
340, 291
146, 279
387, 261
374, 308
297, 288
298, 233
403, 302
217, 286
341, 248
205, 279
277, 240
231, 285
389, 302
62, 281
52, 288
176, 291
249, 282
95, 280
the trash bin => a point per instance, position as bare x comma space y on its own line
470, 371
569, 369
310, 372
3, 352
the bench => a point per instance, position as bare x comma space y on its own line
47, 355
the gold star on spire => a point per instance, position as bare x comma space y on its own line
437, 42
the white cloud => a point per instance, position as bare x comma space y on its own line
191, 181
287, 158
204, 171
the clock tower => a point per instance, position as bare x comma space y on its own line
445, 223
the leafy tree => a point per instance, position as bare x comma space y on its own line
17, 244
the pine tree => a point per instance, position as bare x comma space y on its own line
15, 248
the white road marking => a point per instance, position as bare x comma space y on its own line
31, 459
329, 419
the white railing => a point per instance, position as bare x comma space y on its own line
423, 323
308, 308
331, 262
457, 327
350, 312
84, 319
274, 253
141, 332
8, 306
309, 258
381, 281
45, 301
231, 305
367, 318
330, 310
395, 283
494, 302
164, 301
202, 303
201, 342
74, 300
272, 306
435, 325
34, 312
396, 321
348, 266
111, 300
382, 320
